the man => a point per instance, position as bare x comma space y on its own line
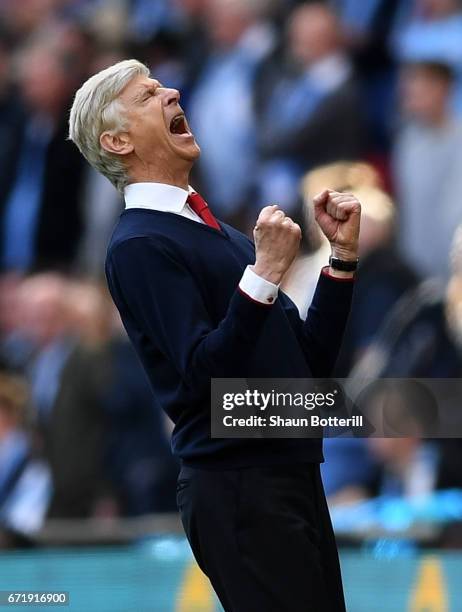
431, 31
426, 168
67, 376
25, 483
40, 164
198, 301
312, 110
241, 38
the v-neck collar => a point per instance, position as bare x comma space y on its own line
181, 219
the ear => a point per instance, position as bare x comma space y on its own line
119, 144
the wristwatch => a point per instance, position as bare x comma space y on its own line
342, 265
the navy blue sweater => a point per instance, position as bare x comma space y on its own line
175, 283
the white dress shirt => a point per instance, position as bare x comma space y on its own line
168, 198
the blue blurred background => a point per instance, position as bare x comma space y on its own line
285, 98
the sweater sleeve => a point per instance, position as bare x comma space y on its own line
321, 333
156, 291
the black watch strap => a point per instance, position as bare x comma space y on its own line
342, 265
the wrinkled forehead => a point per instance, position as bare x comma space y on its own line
137, 87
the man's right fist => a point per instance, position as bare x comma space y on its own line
277, 239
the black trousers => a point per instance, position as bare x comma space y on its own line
263, 537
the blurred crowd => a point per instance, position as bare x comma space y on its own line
285, 98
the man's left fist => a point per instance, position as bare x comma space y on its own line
338, 215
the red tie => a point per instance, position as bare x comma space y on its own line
200, 207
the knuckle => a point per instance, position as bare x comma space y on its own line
266, 211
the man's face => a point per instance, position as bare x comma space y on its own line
156, 124
44, 85
312, 34
424, 96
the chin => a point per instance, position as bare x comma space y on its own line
197, 152
191, 153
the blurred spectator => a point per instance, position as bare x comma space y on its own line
367, 27
409, 466
11, 117
67, 373
450, 450
104, 437
177, 52
40, 217
101, 205
434, 34
350, 472
414, 340
314, 114
221, 111
426, 165
24, 18
25, 485
420, 338
195, 40
107, 20
420, 335
140, 464
383, 277
15, 348
133, 447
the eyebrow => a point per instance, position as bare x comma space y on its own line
145, 88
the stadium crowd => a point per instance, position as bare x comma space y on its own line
285, 98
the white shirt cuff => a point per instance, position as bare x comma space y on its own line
257, 288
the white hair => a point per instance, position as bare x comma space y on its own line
96, 109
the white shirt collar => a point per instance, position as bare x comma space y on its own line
156, 196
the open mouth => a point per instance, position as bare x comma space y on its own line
178, 125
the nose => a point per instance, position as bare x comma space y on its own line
171, 96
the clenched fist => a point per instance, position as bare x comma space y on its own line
277, 239
338, 215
